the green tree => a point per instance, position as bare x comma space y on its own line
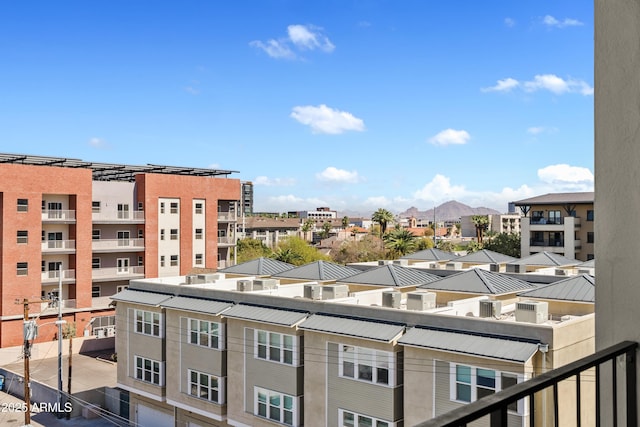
505, 243
481, 222
382, 217
297, 251
307, 226
474, 246
446, 245
423, 243
345, 222
249, 249
369, 248
326, 229
399, 242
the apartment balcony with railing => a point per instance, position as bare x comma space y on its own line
611, 372
117, 245
58, 215
118, 217
53, 276
58, 246
117, 273
230, 216
227, 240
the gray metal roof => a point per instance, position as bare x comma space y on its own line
259, 267
197, 305
485, 256
140, 297
588, 264
431, 255
319, 270
558, 198
392, 275
581, 288
479, 281
265, 315
376, 331
464, 343
548, 259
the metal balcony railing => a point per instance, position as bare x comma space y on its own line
118, 216
546, 242
57, 244
58, 214
496, 405
227, 216
121, 244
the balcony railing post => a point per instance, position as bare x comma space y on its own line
632, 410
614, 383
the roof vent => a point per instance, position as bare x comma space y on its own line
490, 308
391, 299
532, 311
421, 301
401, 261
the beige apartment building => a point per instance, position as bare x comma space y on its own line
561, 223
210, 350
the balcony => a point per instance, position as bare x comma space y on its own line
53, 275
117, 273
117, 245
227, 216
58, 246
66, 304
118, 217
607, 389
59, 216
226, 240
547, 242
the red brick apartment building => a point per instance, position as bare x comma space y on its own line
99, 225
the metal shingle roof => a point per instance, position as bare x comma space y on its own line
259, 267
377, 331
392, 275
485, 256
558, 198
546, 259
580, 288
479, 281
431, 255
265, 315
319, 270
140, 297
197, 304
477, 345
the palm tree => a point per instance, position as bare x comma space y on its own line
400, 241
345, 222
306, 227
382, 217
481, 222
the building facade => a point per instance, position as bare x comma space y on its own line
94, 227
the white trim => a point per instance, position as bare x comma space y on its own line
357, 414
186, 407
390, 359
295, 409
141, 393
235, 423
295, 356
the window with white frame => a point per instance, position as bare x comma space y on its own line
206, 334
198, 234
353, 419
470, 383
22, 268
148, 323
173, 260
198, 208
95, 234
95, 291
22, 236
161, 207
205, 386
162, 262
95, 263
149, 370
367, 364
173, 234
198, 260
277, 347
278, 407
95, 206
23, 205
173, 208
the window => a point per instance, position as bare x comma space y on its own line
174, 261
95, 291
554, 217
148, 370
140, 261
469, 383
22, 268
352, 419
198, 260
276, 347
23, 205
590, 215
161, 207
95, 234
174, 208
22, 236
140, 206
123, 211
206, 334
95, 263
174, 234
198, 208
590, 237
198, 234
367, 364
148, 323
537, 217
44, 268
590, 257
140, 233
162, 234
162, 261
275, 406
205, 386
95, 207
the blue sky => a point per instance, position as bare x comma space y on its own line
354, 105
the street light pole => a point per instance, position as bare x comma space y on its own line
59, 322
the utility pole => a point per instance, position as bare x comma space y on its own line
59, 323
30, 331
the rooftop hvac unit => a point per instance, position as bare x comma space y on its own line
434, 265
210, 277
454, 266
490, 308
560, 272
513, 268
244, 285
494, 268
401, 261
263, 284
391, 299
584, 271
191, 279
312, 291
384, 262
532, 311
335, 291
111, 331
421, 301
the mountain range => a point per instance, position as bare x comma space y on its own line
451, 210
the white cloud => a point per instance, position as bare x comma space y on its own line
323, 119
377, 202
450, 136
550, 21
98, 143
309, 38
300, 37
537, 130
332, 174
567, 177
274, 182
440, 190
549, 82
509, 22
504, 85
